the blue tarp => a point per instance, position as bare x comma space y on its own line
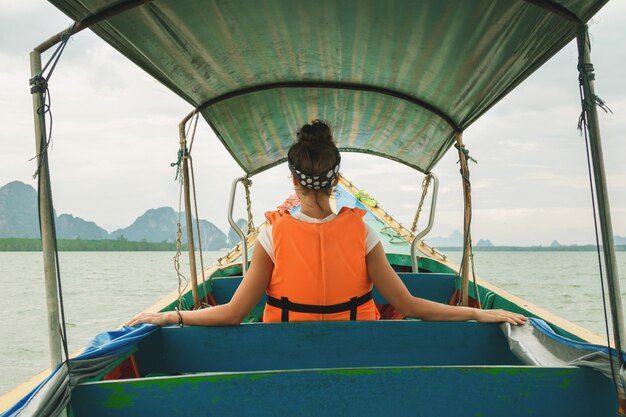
536, 344
53, 393
116, 342
544, 328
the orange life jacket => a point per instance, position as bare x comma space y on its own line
319, 270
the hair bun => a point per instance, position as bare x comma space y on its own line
314, 159
316, 133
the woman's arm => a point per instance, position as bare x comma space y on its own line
245, 298
393, 289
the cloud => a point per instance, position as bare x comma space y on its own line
533, 226
26, 23
115, 134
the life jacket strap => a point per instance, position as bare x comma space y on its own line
286, 306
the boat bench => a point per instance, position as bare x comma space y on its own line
399, 368
304, 345
434, 287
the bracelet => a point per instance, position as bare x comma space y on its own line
180, 318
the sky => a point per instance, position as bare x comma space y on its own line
115, 133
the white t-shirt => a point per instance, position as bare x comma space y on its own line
266, 241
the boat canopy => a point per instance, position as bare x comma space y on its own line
397, 78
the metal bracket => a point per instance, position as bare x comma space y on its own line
431, 221
236, 228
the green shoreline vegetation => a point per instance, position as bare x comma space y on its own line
121, 244
562, 248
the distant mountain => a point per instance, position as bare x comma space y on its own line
155, 225
233, 237
212, 237
19, 218
484, 243
159, 225
70, 227
18, 211
454, 240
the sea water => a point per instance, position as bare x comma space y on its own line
101, 290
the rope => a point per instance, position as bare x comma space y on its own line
366, 199
466, 153
394, 237
587, 71
425, 185
63, 330
468, 234
176, 259
247, 183
193, 134
195, 205
476, 291
39, 84
208, 299
182, 153
46, 140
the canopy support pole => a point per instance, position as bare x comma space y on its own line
45, 219
48, 243
467, 213
188, 211
587, 77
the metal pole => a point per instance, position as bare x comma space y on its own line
236, 228
45, 219
431, 221
188, 219
602, 198
465, 267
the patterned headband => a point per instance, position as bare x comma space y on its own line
315, 182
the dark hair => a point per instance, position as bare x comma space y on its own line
315, 153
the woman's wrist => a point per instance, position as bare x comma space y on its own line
172, 317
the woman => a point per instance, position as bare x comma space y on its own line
318, 265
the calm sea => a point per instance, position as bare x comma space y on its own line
103, 289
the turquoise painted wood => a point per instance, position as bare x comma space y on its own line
396, 391
308, 345
435, 287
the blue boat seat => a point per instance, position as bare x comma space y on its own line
369, 368
308, 345
434, 287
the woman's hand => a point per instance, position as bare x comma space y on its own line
161, 319
499, 316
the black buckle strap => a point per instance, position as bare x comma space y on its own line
286, 306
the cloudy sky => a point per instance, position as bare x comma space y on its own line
115, 134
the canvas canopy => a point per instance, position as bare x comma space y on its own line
394, 78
